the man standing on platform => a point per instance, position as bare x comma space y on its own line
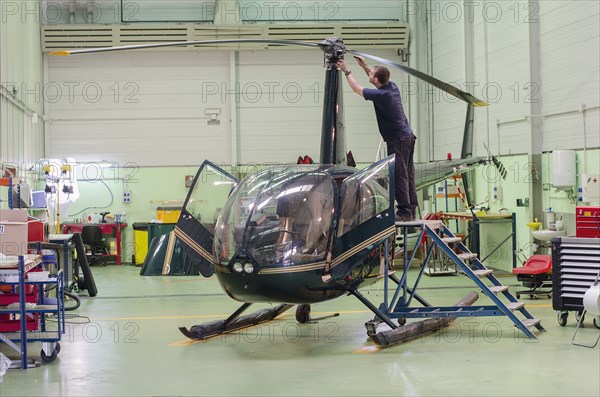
394, 129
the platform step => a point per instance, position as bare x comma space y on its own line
496, 289
512, 306
449, 240
530, 322
434, 224
482, 272
443, 238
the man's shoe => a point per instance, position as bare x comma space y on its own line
404, 218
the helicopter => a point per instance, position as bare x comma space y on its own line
300, 234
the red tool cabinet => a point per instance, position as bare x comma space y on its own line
587, 222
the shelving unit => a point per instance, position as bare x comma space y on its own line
43, 306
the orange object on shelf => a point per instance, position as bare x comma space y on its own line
35, 230
450, 192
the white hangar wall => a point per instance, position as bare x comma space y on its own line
537, 63
21, 81
153, 108
570, 74
500, 71
482, 46
139, 107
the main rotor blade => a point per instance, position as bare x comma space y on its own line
465, 96
181, 44
450, 89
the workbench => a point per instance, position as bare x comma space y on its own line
109, 229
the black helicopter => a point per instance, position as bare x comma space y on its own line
300, 234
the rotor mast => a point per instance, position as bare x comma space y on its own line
333, 148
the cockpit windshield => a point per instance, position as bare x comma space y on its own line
279, 215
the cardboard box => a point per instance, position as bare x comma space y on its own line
13, 232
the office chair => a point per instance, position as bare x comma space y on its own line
92, 238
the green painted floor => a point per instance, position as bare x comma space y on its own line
125, 342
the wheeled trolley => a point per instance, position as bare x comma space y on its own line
24, 319
575, 264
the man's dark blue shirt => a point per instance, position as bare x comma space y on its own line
391, 119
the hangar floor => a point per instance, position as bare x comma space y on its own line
125, 342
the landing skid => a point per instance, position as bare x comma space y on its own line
303, 315
233, 322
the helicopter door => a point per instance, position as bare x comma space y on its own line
366, 209
196, 224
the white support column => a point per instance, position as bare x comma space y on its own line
536, 119
421, 110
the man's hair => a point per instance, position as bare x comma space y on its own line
382, 73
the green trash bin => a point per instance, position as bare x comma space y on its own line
180, 263
140, 242
157, 229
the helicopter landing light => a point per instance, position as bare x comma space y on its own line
248, 267
237, 266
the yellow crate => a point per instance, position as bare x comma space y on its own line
168, 214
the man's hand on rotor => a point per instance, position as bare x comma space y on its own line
361, 61
342, 65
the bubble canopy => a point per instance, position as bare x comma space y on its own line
278, 215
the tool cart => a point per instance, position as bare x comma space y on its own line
24, 306
575, 266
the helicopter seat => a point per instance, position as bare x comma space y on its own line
238, 233
268, 235
263, 230
285, 230
315, 240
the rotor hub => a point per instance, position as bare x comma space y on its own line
333, 50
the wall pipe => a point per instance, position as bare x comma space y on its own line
10, 96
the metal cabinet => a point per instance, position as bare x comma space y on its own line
575, 266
